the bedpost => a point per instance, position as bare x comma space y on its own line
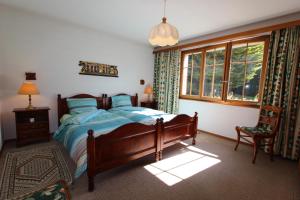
58, 108
195, 122
161, 138
136, 100
158, 139
91, 159
104, 106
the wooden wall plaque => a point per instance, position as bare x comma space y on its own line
97, 69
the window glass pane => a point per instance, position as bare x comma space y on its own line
219, 70
196, 73
195, 86
238, 53
255, 51
220, 55
186, 75
209, 57
236, 82
189, 72
252, 81
208, 81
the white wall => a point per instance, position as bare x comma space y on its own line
1, 137
52, 49
218, 118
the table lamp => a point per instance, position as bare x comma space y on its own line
148, 90
28, 88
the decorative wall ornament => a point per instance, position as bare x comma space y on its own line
30, 76
96, 69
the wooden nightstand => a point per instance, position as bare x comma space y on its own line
149, 104
32, 125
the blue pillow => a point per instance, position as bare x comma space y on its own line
122, 100
78, 106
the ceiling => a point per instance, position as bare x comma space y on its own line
133, 19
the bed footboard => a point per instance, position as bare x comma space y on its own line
180, 128
126, 143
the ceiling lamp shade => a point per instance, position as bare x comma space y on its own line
163, 34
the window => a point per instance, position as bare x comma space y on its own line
245, 71
230, 73
191, 74
213, 72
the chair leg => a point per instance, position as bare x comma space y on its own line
238, 137
255, 148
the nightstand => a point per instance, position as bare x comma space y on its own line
32, 125
149, 104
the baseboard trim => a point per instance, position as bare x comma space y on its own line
222, 137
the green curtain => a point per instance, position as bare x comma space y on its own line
166, 80
282, 88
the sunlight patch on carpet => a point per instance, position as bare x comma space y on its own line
177, 168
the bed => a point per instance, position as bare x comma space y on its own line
123, 140
175, 127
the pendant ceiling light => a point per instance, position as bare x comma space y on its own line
163, 34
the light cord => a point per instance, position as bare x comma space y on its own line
165, 2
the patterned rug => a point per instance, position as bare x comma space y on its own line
27, 171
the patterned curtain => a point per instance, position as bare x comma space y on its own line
166, 80
282, 88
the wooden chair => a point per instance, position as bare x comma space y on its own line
263, 134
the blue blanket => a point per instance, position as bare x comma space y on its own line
141, 115
72, 133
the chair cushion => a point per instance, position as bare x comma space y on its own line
57, 191
264, 130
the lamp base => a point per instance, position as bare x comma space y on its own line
29, 107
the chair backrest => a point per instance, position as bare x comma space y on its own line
270, 116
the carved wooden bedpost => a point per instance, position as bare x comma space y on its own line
161, 138
91, 159
104, 101
58, 108
195, 119
158, 139
136, 100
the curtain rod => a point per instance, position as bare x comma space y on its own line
238, 35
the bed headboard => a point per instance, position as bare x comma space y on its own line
62, 107
134, 100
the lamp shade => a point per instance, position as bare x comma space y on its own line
148, 89
28, 88
163, 34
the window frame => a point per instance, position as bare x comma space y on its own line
227, 62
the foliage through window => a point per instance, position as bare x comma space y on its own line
231, 72
213, 72
245, 71
191, 73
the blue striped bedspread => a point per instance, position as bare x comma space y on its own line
141, 115
72, 133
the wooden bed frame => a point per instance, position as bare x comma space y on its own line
130, 141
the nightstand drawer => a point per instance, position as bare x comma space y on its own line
36, 133
151, 104
26, 126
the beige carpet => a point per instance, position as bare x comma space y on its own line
209, 171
